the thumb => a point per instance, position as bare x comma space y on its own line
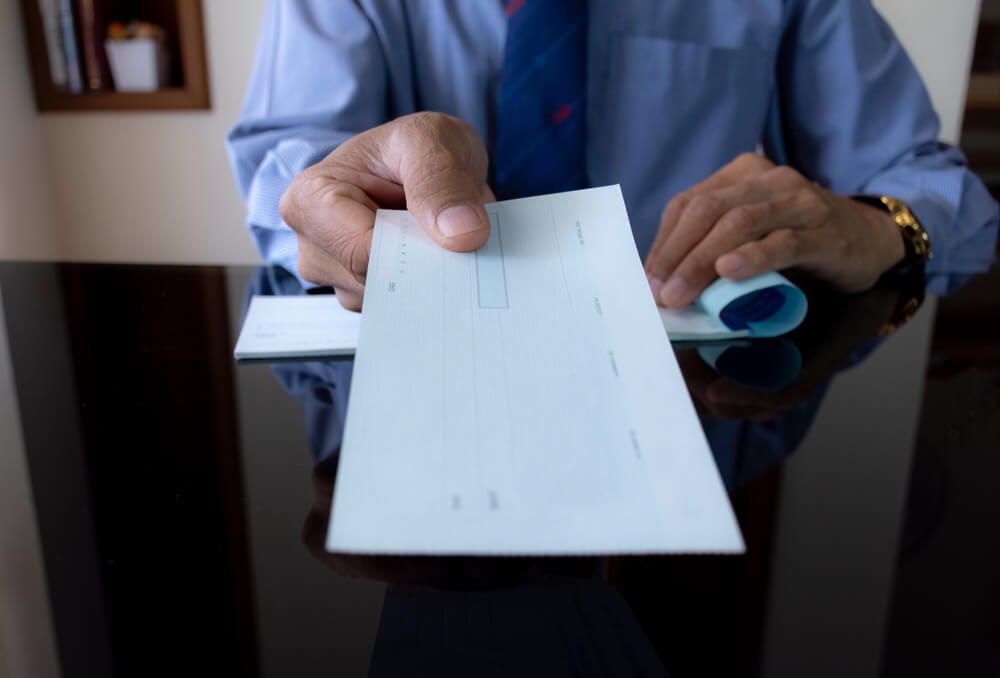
443, 172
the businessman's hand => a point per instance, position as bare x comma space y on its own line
432, 164
751, 217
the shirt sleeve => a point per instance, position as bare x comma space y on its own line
319, 77
855, 117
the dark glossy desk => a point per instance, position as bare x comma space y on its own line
163, 508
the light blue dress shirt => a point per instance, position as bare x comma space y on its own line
676, 89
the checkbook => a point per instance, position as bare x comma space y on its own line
316, 327
522, 398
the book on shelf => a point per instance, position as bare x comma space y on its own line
52, 30
74, 76
90, 26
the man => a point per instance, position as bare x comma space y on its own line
668, 98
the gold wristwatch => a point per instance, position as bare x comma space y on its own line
917, 250
916, 242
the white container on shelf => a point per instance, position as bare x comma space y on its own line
137, 65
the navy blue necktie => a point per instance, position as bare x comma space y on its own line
541, 101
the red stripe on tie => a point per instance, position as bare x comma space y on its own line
562, 113
514, 6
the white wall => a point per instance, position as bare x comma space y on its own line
27, 225
157, 187
939, 37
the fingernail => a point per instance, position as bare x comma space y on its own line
458, 220
673, 291
655, 285
733, 263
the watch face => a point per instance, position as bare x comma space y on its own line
918, 243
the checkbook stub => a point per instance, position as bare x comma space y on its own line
522, 398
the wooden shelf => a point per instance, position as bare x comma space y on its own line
192, 94
983, 102
171, 98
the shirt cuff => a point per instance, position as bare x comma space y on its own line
955, 209
275, 241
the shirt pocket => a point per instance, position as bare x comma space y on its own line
665, 114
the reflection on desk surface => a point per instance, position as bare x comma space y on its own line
170, 493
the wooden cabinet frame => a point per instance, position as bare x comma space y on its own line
193, 95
